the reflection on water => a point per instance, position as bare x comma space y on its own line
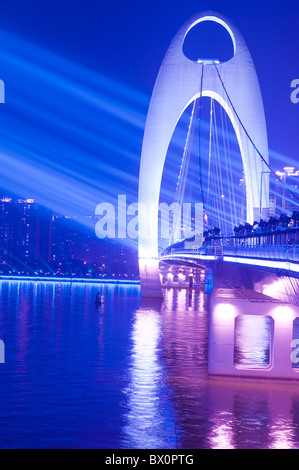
146, 424
295, 362
252, 341
128, 375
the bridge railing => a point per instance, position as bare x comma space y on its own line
209, 250
274, 252
288, 253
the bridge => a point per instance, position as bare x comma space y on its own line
238, 244
270, 250
237, 234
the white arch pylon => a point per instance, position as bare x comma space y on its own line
177, 85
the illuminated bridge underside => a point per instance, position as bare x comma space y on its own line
275, 272
289, 266
177, 85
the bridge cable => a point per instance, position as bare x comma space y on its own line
226, 219
253, 144
181, 183
199, 136
183, 173
213, 208
218, 175
215, 202
210, 153
228, 167
226, 164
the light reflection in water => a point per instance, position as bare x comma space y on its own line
252, 341
282, 435
145, 417
221, 436
295, 364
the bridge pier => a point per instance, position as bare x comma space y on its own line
280, 285
209, 279
150, 279
252, 335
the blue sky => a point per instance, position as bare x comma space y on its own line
79, 76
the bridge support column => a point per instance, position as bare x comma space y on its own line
150, 279
265, 349
209, 279
169, 279
181, 278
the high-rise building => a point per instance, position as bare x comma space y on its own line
27, 230
285, 191
7, 229
33, 240
65, 236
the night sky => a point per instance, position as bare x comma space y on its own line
79, 76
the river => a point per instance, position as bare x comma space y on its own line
126, 375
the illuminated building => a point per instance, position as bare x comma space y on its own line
285, 194
33, 241
7, 229
27, 230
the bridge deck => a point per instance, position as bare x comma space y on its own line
242, 294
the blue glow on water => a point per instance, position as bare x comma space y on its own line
67, 280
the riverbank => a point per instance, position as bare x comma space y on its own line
69, 279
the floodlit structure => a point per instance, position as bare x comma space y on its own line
252, 335
180, 81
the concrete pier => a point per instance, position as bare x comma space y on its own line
226, 307
150, 279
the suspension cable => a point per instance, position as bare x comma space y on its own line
210, 152
228, 167
250, 139
199, 136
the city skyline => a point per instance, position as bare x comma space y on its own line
34, 240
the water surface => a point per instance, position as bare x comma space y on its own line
128, 375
